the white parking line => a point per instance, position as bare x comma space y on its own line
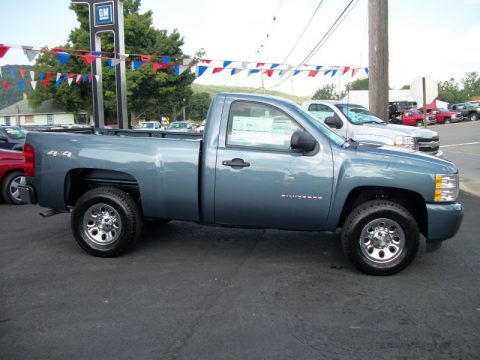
470, 143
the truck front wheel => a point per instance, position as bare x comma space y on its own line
106, 222
380, 237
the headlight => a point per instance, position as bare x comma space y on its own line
405, 141
446, 187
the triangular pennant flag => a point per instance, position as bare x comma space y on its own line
345, 69
259, 64
31, 54
34, 84
113, 62
59, 75
21, 85
49, 75
157, 65
70, 80
22, 73
244, 65
12, 74
58, 82
32, 75
334, 72
318, 67
201, 70
236, 71
85, 78
62, 57
3, 50
273, 66
313, 73
296, 72
206, 61
40, 75
65, 77
122, 57
226, 63
253, 71
6, 85
146, 58
88, 59
45, 83
217, 70
366, 70
166, 59
90, 78
179, 69
354, 71
97, 53
269, 72
79, 79
327, 72
187, 61
137, 64
71, 76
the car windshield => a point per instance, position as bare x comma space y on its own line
146, 126
358, 115
177, 125
14, 132
323, 128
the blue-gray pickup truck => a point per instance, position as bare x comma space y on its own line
262, 162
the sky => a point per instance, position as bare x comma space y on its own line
432, 38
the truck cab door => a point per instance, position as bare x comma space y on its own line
260, 181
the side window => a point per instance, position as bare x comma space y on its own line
321, 112
258, 125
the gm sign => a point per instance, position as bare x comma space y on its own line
104, 14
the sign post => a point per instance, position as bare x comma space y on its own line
107, 16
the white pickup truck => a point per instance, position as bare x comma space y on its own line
356, 122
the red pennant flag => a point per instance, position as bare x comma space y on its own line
88, 59
70, 76
157, 66
260, 64
345, 69
3, 50
146, 58
206, 61
313, 73
49, 75
6, 85
354, 71
57, 49
22, 72
90, 78
45, 83
269, 72
217, 70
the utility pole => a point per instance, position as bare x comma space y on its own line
378, 57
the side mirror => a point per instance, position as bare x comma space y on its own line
334, 122
302, 140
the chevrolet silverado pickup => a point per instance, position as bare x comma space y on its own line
262, 162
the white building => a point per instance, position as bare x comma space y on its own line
48, 113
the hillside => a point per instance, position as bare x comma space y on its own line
214, 89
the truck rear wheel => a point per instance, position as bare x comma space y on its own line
380, 237
106, 222
10, 185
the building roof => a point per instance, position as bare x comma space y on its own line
22, 108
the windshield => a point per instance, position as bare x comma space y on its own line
358, 115
177, 125
320, 126
146, 126
14, 132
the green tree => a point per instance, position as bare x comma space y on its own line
14, 93
405, 87
359, 84
471, 84
450, 92
326, 92
149, 94
198, 106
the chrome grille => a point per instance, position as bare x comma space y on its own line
428, 145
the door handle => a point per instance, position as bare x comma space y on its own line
236, 163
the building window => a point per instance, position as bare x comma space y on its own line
49, 119
7, 121
29, 119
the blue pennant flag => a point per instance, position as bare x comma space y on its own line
254, 71
318, 67
327, 72
11, 72
166, 59
110, 63
96, 53
40, 75
21, 85
226, 63
334, 72
65, 77
58, 82
62, 57
233, 72
366, 70
296, 72
137, 64
274, 66
85, 78
201, 70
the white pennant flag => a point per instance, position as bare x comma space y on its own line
115, 62
236, 71
59, 75
187, 61
31, 55
244, 65
34, 84
70, 80
32, 75
123, 56
180, 69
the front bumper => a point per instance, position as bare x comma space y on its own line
443, 220
27, 194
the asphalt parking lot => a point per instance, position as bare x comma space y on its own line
195, 292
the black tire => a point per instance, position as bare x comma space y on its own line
9, 187
473, 116
447, 121
106, 222
380, 237
419, 123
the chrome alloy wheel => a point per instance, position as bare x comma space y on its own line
13, 188
102, 224
382, 240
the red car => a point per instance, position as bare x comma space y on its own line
445, 116
11, 175
415, 118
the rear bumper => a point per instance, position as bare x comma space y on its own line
443, 220
27, 194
